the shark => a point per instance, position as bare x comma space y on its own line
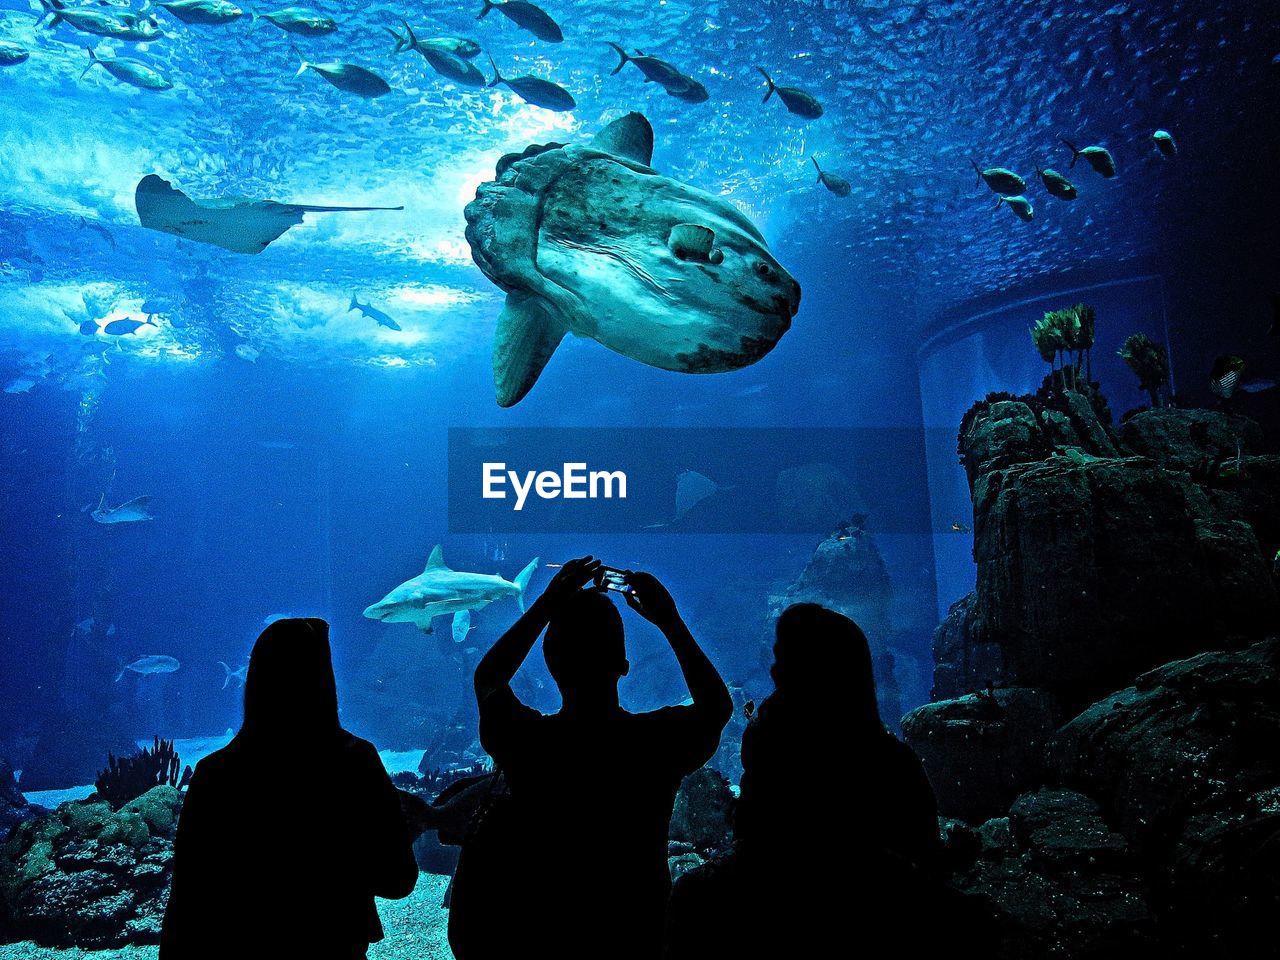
438, 591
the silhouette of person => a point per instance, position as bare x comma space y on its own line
835, 830
591, 787
289, 831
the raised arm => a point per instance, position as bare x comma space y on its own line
499, 665
649, 598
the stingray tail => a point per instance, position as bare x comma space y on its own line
484, 11
93, 59
769, 80
298, 53
522, 580
1075, 153
622, 55
497, 77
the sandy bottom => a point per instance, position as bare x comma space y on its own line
415, 928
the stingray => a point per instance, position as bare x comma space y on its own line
239, 224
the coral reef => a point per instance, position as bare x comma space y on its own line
91, 876
1108, 699
700, 823
126, 778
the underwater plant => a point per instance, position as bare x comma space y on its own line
1149, 361
127, 778
1059, 334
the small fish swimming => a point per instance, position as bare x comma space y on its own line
1056, 184
455, 68
347, 77
132, 511
20, 385
228, 674
1225, 376
373, 313
837, 185
1098, 157
205, 13
1021, 206
149, 665
117, 23
797, 101
458, 46
85, 625
959, 526
1001, 180
89, 328
534, 90
12, 54
133, 72
299, 20
126, 326
1165, 143
664, 74
246, 352
527, 16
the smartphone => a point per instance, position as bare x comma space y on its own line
614, 579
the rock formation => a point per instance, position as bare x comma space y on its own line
1107, 698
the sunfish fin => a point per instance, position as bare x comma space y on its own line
691, 241
527, 335
436, 560
630, 136
522, 579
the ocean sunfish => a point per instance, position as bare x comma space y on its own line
590, 239
234, 223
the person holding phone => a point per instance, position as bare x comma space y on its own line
592, 786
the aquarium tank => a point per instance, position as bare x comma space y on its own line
959, 319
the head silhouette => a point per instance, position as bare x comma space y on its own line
289, 690
821, 659
584, 646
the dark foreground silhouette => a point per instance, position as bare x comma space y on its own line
289, 831
571, 859
836, 843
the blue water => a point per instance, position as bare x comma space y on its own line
295, 450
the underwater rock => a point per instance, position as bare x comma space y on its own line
982, 750
1186, 761
1091, 570
88, 876
1184, 438
701, 814
1062, 883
